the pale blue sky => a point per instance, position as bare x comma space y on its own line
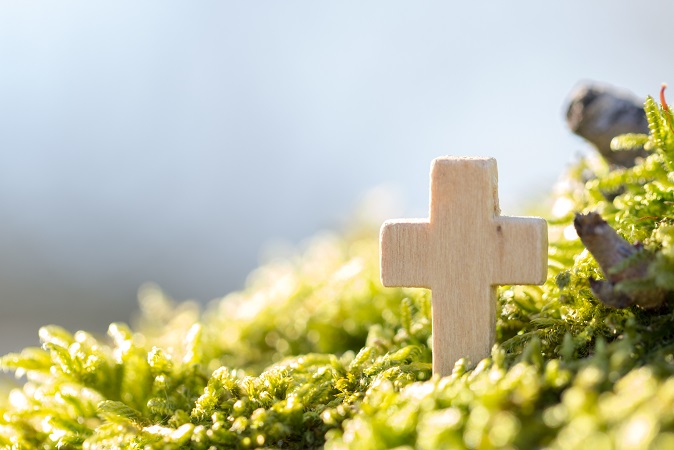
170, 141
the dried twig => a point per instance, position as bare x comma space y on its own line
623, 265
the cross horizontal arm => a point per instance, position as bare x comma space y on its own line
404, 253
520, 254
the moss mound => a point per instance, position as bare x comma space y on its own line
315, 353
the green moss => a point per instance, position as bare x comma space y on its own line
315, 352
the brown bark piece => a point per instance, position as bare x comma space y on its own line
599, 113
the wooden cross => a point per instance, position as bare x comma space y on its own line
462, 252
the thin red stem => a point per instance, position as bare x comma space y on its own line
665, 106
662, 98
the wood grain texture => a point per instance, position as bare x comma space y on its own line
461, 253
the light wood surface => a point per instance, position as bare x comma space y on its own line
461, 253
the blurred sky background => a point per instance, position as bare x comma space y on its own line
171, 141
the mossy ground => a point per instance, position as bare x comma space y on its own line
316, 353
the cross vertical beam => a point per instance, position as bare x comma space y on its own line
462, 252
